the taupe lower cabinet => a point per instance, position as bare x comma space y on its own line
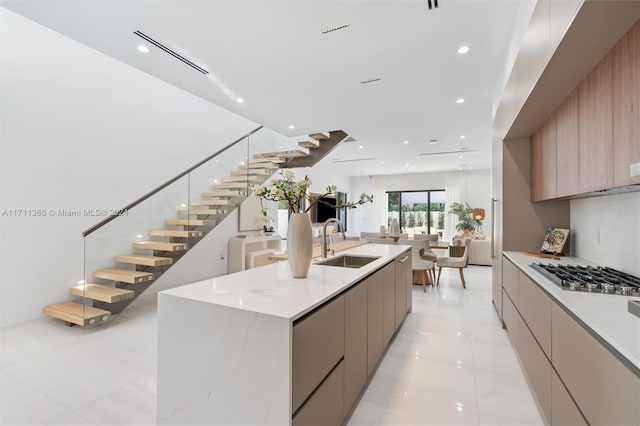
575, 379
337, 347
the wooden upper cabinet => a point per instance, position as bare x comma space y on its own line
543, 161
595, 124
626, 106
568, 175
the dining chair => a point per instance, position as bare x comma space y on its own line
455, 262
418, 264
428, 253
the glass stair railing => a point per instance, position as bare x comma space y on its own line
127, 252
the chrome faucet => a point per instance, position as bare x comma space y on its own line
324, 243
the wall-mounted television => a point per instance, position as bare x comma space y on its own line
324, 209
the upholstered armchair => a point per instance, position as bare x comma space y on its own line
455, 262
419, 265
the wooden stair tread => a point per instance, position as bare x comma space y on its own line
254, 172
235, 194
266, 166
244, 178
77, 313
201, 212
103, 293
214, 203
124, 275
156, 245
230, 185
189, 222
319, 136
308, 144
283, 154
175, 233
268, 159
142, 259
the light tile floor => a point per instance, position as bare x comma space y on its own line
451, 363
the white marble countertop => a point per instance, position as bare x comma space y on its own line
605, 314
271, 290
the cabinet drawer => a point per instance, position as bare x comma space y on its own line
324, 407
563, 410
510, 280
537, 367
604, 389
509, 317
535, 307
318, 345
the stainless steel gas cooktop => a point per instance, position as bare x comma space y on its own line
590, 279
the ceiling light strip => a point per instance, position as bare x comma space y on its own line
171, 52
339, 27
370, 81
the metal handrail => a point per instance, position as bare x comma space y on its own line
167, 183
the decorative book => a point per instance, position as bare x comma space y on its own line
554, 241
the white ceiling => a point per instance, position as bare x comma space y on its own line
272, 53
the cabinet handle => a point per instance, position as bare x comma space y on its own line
493, 227
404, 259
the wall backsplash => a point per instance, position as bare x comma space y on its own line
606, 230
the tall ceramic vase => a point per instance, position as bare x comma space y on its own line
299, 244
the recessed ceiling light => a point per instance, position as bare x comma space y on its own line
459, 168
463, 137
463, 49
339, 27
382, 162
291, 126
405, 142
242, 163
433, 143
460, 100
460, 156
470, 167
142, 48
240, 100
360, 146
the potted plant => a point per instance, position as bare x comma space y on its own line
466, 223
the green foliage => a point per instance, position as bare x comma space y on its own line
441, 221
465, 220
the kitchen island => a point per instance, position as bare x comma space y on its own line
579, 350
260, 347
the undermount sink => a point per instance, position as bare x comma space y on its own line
348, 261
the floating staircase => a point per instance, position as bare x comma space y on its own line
133, 273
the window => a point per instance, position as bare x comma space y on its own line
418, 212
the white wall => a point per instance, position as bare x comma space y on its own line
82, 130
606, 230
475, 189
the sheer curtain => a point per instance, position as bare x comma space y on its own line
455, 191
380, 201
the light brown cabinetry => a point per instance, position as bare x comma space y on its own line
575, 378
596, 128
318, 346
389, 302
510, 280
337, 347
563, 410
402, 275
325, 407
606, 391
543, 161
535, 307
536, 366
355, 342
567, 140
626, 106
375, 320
